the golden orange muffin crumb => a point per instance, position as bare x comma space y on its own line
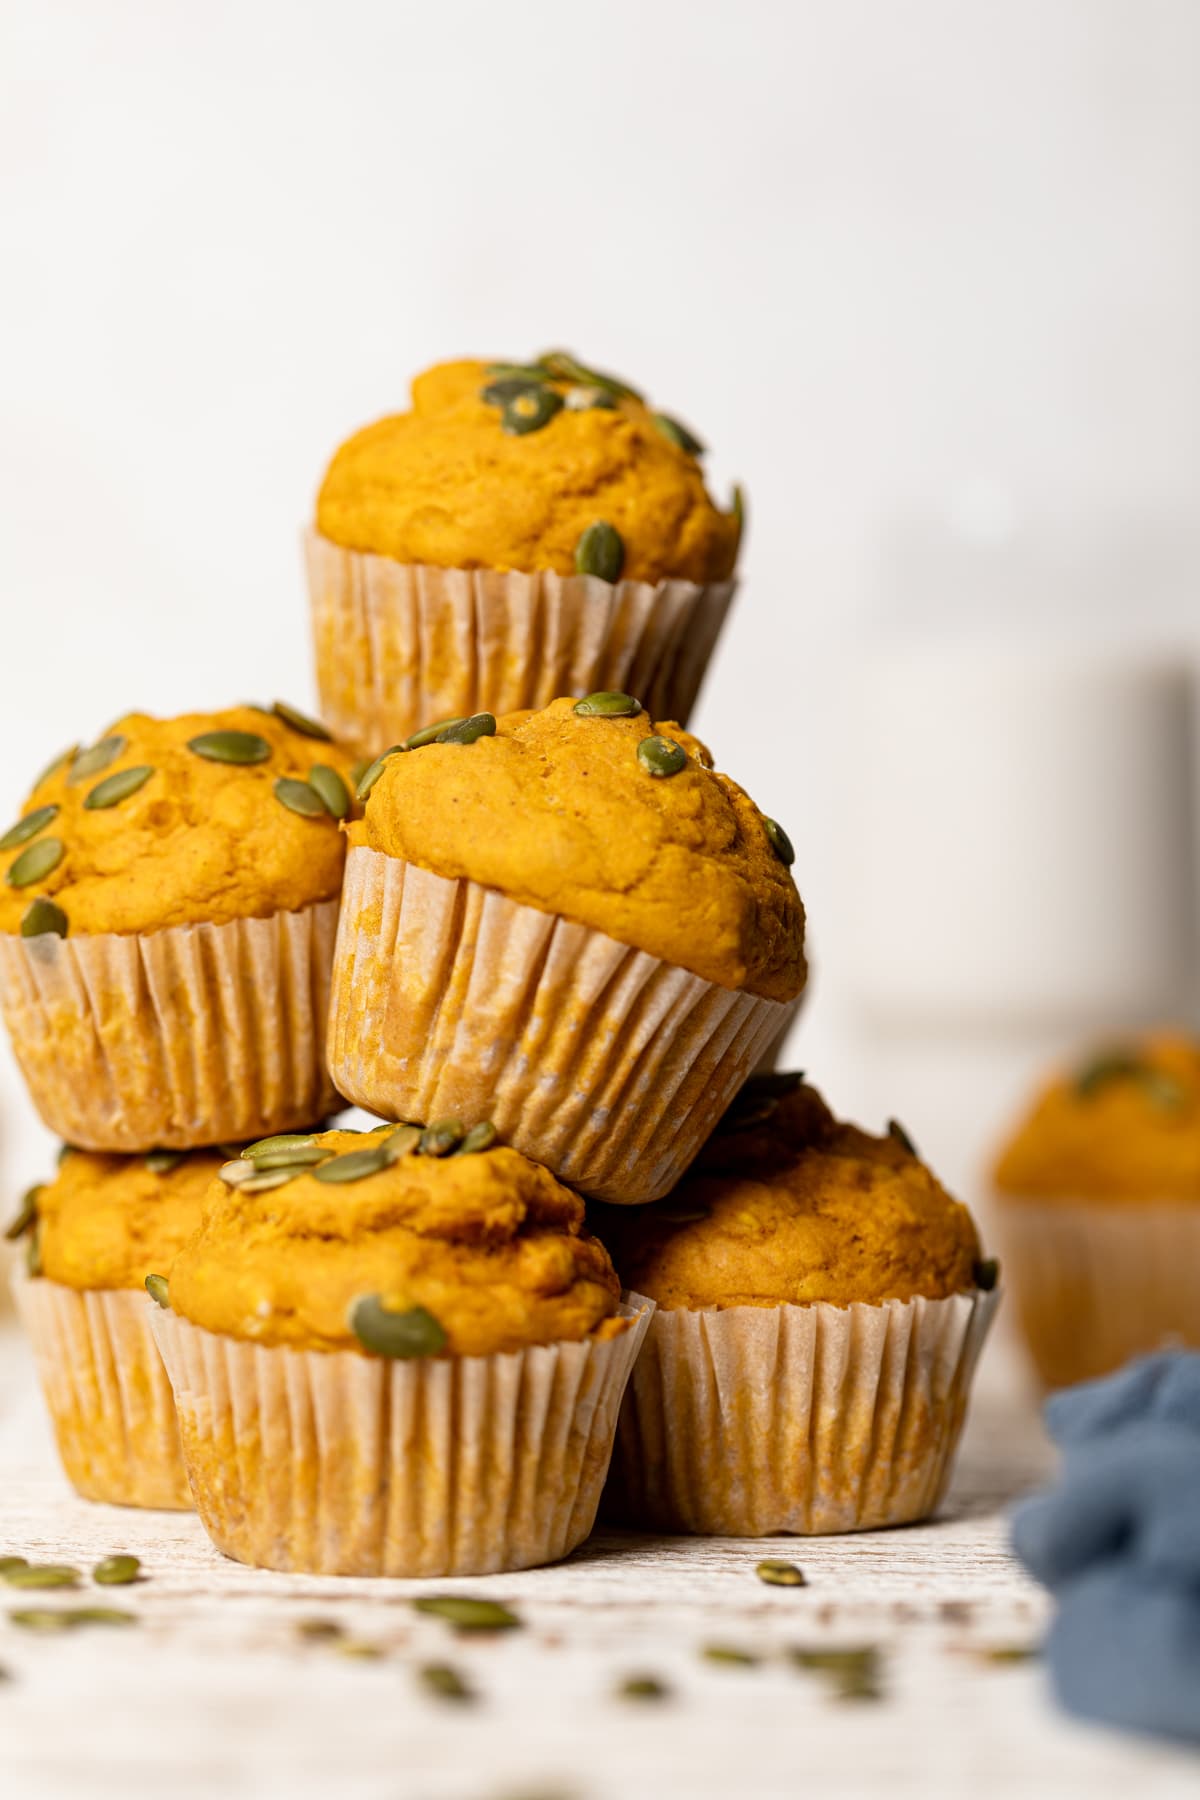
151, 833
796, 1208
559, 811
489, 1244
109, 1221
448, 484
1124, 1126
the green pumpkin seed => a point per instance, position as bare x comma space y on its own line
726, 1653
565, 367
319, 1631
33, 1252
643, 1687
95, 760
56, 767
231, 747
404, 1140
682, 1215
359, 769
281, 1140
608, 705
310, 728
854, 1674
510, 387
678, 434
661, 756
529, 411
26, 1217
161, 1162
778, 1573
298, 797
28, 827
780, 842
117, 1571
480, 1137
294, 1156
240, 1169
445, 1682
42, 918
987, 1274
266, 1184
100, 1615
600, 552
41, 1618
43, 1575
1010, 1653
527, 372
411, 1333
115, 788
353, 1165
12, 1562
36, 862
1112, 1065
429, 733
468, 731
358, 1650
333, 792
442, 1136
898, 1135
159, 1290
466, 1613
374, 771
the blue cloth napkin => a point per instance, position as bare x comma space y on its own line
1118, 1543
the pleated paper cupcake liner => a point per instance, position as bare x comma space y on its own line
107, 1393
399, 645
609, 1066
196, 1034
341, 1464
755, 1421
1095, 1284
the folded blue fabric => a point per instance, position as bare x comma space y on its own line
1118, 1542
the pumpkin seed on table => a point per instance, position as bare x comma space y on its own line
332, 790
678, 434
777, 1572
319, 1631
780, 842
117, 1570
898, 1135
643, 1687
42, 1575
95, 760
115, 788
352, 1165
529, 411
445, 1682
159, 1291
661, 756
12, 1562
854, 1674
161, 1162
402, 1335
231, 747
28, 827
466, 1613
26, 1217
45, 1618
374, 771
608, 705
42, 918
728, 1654
442, 1136
600, 551
35, 862
310, 728
468, 731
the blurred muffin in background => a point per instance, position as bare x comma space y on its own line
1098, 1209
526, 530
821, 1304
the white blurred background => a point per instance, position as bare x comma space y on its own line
924, 273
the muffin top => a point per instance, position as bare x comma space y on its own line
562, 809
109, 1221
173, 821
500, 466
787, 1205
487, 1250
1124, 1125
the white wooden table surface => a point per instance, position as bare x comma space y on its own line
215, 1692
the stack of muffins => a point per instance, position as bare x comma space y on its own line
504, 902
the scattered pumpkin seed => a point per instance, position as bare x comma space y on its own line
661, 756
159, 1290
28, 827
352, 1165
43, 1575
529, 411
897, 1133
509, 387
402, 1141
265, 1184
282, 1140
231, 747
42, 918
161, 1162
402, 1334
854, 1673
310, 728
117, 1571
589, 399
333, 792
726, 1653
776, 1572
600, 551
678, 434
987, 1274
300, 798
445, 1682
56, 765
442, 1136
240, 1169
358, 1650
466, 1613
643, 1687
468, 731
12, 1562
428, 733
319, 1631
33, 1252
480, 1137
26, 1217
115, 788
374, 771
66, 1618
562, 366
35, 862
780, 842
1011, 1653
606, 705
95, 760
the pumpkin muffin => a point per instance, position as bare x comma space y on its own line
524, 531
167, 914
92, 1235
821, 1305
567, 922
398, 1353
1097, 1198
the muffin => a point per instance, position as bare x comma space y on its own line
92, 1235
821, 1303
524, 531
397, 1353
566, 922
1097, 1200
167, 916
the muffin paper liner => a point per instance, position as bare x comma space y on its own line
334, 1463
107, 1393
400, 645
1095, 1283
753, 1421
602, 1062
196, 1034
